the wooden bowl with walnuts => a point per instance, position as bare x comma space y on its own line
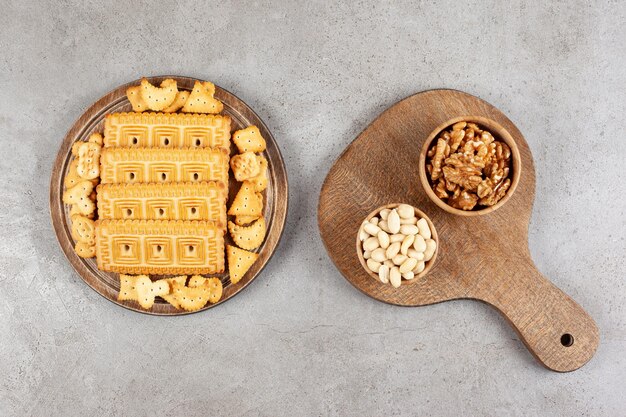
469, 166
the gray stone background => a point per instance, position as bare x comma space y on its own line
301, 340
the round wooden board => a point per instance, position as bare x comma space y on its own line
484, 257
275, 197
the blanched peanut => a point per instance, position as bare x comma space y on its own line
409, 229
371, 228
419, 267
399, 259
408, 275
396, 238
384, 213
362, 233
373, 265
405, 211
383, 239
422, 224
412, 220
406, 244
393, 221
389, 263
419, 244
383, 225
431, 246
367, 255
393, 250
379, 255
395, 277
370, 244
383, 274
374, 220
412, 253
408, 265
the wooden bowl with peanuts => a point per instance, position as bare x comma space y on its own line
397, 244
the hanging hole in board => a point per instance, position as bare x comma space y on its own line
567, 340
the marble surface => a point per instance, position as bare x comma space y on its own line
301, 340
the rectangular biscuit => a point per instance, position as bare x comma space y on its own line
163, 201
160, 246
146, 165
166, 130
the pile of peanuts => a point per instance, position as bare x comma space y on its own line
396, 244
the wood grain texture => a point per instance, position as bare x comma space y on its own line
275, 197
484, 257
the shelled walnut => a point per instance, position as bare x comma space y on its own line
468, 167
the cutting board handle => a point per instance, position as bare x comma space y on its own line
558, 332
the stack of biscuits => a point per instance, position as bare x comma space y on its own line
162, 197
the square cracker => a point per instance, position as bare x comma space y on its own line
249, 140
